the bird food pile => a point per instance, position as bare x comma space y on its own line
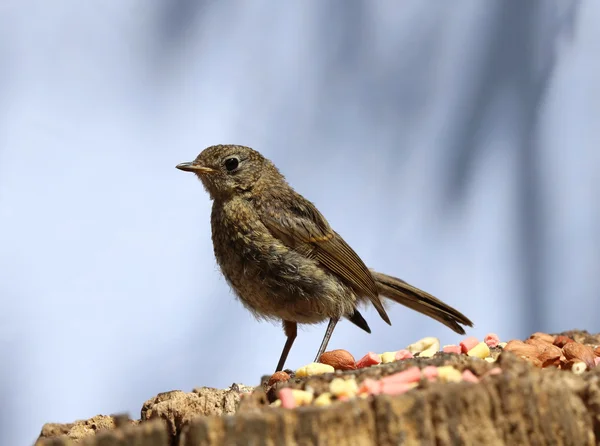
541, 349
543, 390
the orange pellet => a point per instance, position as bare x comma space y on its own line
491, 339
368, 360
403, 354
468, 343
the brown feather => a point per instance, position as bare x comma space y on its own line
412, 297
302, 227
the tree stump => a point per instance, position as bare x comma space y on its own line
523, 405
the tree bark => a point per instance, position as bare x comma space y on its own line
523, 405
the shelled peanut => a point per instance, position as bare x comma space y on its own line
544, 350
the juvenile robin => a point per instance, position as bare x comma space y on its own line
282, 258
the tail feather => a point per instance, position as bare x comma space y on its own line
403, 293
357, 319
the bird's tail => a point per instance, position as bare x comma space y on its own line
403, 293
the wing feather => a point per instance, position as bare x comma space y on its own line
302, 227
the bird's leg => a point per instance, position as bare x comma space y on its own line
291, 331
328, 333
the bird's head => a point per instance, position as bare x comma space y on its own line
226, 170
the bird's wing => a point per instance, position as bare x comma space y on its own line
298, 224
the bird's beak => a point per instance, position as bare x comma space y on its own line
196, 168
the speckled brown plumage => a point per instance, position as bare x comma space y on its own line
282, 258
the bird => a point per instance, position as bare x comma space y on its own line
282, 258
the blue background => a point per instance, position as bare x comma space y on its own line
453, 144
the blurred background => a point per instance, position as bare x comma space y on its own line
453, 144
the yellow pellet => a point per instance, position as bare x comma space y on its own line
343, 387
323, 399
430, 352
314, 368
481, 350
388, 357
449, 374
502, 344
578, 367
490, 359
302, 397
424, 344
275, 403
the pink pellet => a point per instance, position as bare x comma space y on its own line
469, 377
597, 360
452, 349
491, 339
494, 371
370, 386
396, 388
468, 343
287, 398
410, 375
430, 372
403, 354
368, 360
343, 398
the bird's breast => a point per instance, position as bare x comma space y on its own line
270, 278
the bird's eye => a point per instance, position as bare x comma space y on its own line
232, 163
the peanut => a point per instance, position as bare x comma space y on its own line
542, 336
560, 341
577, 351
338, 359
278, 377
